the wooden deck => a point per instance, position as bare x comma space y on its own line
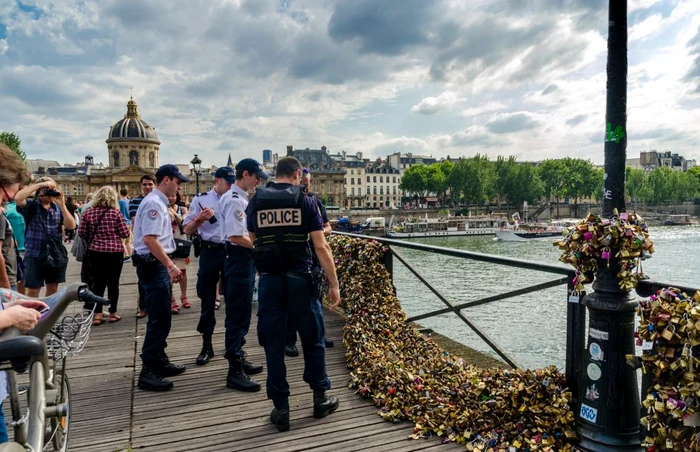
200, 413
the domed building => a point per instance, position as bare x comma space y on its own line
132, 141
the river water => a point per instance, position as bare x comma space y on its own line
531, 328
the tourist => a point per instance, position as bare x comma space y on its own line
153, 243
103, 227
73, 210
124, 208
148, 183
8, 257
21, 314
19, 228
177, 216
45, 257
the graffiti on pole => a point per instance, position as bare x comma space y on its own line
614, 135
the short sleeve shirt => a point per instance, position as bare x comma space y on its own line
233, 207
18, 225
152, 218
44, 223
8, 249
208, 231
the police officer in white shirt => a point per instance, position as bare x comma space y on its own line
153, 245
239, 275
204, 217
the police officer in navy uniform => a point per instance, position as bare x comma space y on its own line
239, 275
153, 246
290, 347
203, 218
284, 224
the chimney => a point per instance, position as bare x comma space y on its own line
290, 150
343, 155
359, 155
324, 149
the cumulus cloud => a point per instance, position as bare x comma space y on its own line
512, 122
432, 105
3, 46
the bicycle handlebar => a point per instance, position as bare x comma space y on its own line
57, 303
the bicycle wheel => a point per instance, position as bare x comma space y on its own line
60, 426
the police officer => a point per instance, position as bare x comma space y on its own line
290, 347
239, 275
153, 240
281, 220
202, 218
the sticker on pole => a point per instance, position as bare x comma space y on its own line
596, 351
594, 372
588, 413
597, 334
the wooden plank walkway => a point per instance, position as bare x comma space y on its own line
111, 414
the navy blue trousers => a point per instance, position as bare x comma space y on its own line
239, 277
156, 286
283, 298
211, 267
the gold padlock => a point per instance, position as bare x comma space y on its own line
668, 332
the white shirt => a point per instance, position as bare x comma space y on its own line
152, 218
209, 232
233, 204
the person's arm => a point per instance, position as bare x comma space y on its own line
68, 220
29, 190
122, 228
324, 216
154, 246
325, 257
24, 319
236, 224
4, 279
83, 228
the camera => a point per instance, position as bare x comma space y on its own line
51, 192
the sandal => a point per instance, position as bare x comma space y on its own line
114, 318
174, 308
185, 303
217, 304
141, 314
98, 322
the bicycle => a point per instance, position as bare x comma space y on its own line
45, 424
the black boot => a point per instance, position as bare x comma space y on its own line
323, 404
207, 352
150, 380
169, 369
280, 417
238, 378
251, 368
291, 350
329, 343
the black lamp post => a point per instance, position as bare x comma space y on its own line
196, 168
609, 406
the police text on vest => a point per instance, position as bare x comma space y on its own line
279, 217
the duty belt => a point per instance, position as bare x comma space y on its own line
271, 239
212, 245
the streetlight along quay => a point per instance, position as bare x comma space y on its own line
196, 169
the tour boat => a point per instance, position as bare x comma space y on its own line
533, 231
451, 227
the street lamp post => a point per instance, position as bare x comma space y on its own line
196, 168
609, 406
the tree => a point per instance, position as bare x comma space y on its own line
637, 185
415, 180
13, 142
552, 175
473, 179
661, 185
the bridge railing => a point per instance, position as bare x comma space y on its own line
576, 314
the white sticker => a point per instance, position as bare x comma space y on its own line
592, 392
594, 371
647, 345
597, 334
596, 351
588, 413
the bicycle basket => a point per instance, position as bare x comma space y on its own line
70, 334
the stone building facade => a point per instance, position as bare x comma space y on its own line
327, 175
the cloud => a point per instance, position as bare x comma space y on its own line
3, 46
576, 120
645, 28
512, 122
550, 89
432, 105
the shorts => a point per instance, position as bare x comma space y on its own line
35, 276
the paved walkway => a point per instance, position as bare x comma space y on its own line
111, 414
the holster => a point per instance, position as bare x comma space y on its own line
196, 240
317, 281
268, 259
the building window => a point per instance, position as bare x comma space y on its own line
352, 191
394, 189
367, 179
359, 191
374, 179
352, 171
133, 158
374, 190
352, 181
394, 179
381, 179
381, 190
115, 157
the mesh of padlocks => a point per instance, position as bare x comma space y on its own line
410, 378
669, 333
622, 241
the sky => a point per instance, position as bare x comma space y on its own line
434, 77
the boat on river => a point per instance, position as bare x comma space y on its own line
449, 227
519, 232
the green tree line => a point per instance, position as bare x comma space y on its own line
478, 180
12, 141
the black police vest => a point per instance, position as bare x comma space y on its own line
280, 229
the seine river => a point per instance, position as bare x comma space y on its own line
532, 328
